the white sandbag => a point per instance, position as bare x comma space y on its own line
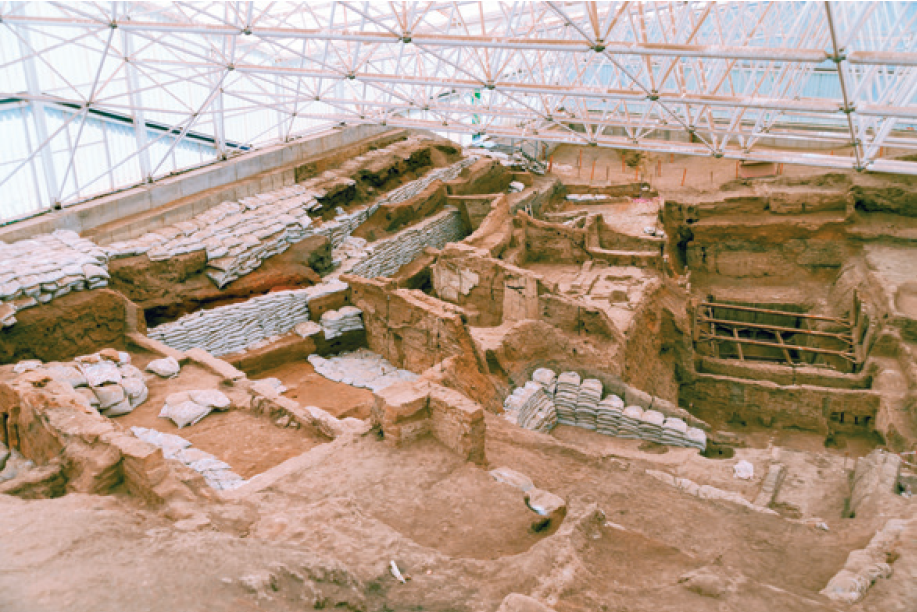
67, 374
26, 366
164, 368
744, 470
100, 373
121, 408
87, 393
211, 397
109, 395
185, 413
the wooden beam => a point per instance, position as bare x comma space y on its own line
735, 333
798, 315
776, 328
844, 355
786, 352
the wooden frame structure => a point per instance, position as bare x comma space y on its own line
718, 330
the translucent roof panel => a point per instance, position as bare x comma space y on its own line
99, 96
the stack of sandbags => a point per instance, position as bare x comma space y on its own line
106, 381
218, 474
651, 426
385, 257
587, 402
48, 266
608, 415
629, 426
547, 379
565, 398
188, 407
117, 386
235, 327
537, 410
673, 432
696, 438
338, 322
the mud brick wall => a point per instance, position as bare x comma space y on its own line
552, 242
47, 424
76, 324
720, 399
408, 411
485, 176
652, 346
491, 291
458, 423
409, 328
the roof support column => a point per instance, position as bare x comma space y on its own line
39, 119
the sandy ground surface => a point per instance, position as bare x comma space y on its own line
326, 526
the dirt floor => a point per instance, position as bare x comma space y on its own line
463, 539
250, 443
312, 389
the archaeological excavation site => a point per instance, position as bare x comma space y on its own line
392, 364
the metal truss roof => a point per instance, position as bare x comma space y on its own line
99, 95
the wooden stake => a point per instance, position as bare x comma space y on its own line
550, 164
592, 174
671, 158
622, 165
579, 164
684, 175
711, 177
607, 173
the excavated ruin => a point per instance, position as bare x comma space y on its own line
405, 376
